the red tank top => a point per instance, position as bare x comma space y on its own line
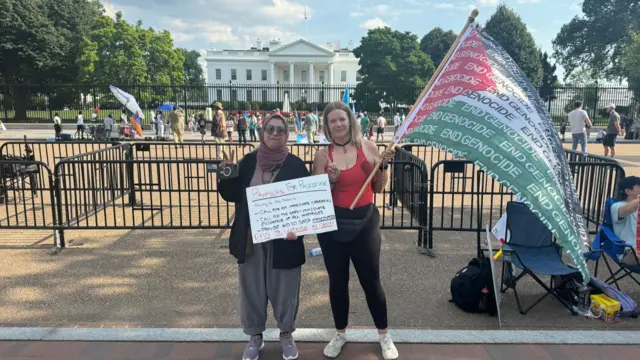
350, 182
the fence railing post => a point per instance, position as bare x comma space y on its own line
56, 198
5, 100
130, 176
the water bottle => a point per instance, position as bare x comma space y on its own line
315, 252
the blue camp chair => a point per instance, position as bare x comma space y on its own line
607, 242
531, 249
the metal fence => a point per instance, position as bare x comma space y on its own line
466, 199
169, 186
39, 103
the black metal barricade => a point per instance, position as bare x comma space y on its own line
576, 156
409, 186
27, 198
466, 199
307, 152
595, 183
51, 152
188, 150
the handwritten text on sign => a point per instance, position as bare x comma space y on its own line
303, 206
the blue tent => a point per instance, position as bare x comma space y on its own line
165, 107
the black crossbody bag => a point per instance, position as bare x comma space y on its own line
351, 222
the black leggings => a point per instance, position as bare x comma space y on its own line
364, 252
242, 136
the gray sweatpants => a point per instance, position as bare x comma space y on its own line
259, 283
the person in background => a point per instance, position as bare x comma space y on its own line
613, 130
123, 126
259, 124
202, 127
241, 127
123, 116
152, 120
268, 271
160, 125
624, 215
80, 124
176, 122
57, 125
396, 123
94, 115
381, 123
364, 125
191, 124
230, 122
348, 163
253, 126
402, 117
108, 125
578, 121
309, 126
218, 127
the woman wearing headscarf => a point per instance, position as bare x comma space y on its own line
348, 162
268, 271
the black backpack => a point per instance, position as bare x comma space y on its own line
472, 287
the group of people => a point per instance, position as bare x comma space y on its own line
271, 271
368, 127
580, 125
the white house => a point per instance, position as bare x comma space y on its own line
301, 69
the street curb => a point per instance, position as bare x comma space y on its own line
578, 337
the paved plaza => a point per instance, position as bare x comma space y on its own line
186, 279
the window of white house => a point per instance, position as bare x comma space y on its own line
234, 95
343, 75
264, 75
264, 95
303, 76
233, 74
218, 74
249, 95
285, 75
248, 74
219, 94
321, 76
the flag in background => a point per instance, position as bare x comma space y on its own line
346, 99
483, 108
297, 120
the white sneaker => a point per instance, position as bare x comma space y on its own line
333, 348
389, 351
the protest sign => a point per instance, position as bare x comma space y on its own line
483, 108
303, 206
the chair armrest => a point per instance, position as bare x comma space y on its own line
611, 236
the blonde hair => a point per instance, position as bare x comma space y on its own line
354, 126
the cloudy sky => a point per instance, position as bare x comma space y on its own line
229, 24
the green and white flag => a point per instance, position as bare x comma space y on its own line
483, 108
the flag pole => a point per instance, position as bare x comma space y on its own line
435, 75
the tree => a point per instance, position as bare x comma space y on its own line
631, 61
194, 75
33, 58
549, 78
392, 62
436, 44
508, 29
596, 39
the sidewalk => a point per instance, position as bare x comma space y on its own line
307, 351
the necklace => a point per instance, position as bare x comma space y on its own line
343, 146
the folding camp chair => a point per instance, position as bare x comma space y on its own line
531, 249
609, 243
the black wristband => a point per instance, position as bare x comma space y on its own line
383, 168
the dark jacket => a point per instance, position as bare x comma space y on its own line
288, 254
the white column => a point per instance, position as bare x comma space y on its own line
311, 73
272, 78
291, 77
330, 72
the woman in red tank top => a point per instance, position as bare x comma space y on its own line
348, 162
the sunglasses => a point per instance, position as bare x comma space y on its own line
278, 130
